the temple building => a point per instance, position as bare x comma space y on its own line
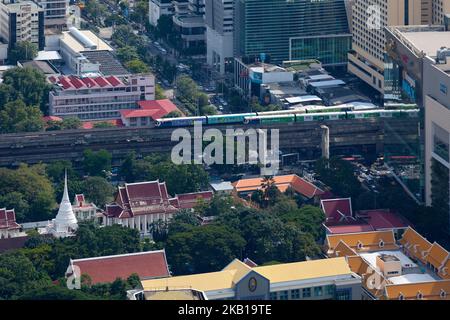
137, 205
85, 211
65, 222
9, 228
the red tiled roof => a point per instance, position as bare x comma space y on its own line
8, 219
383, 219
336, 209
114, 81
147, 265
283, 182
189, 200
143, 190
304, 187
150, 108
113, 210
137, 113
349, 228
151, 197
76, 82
101, 81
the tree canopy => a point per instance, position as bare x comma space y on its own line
23, 51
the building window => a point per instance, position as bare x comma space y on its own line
318, 291
273, 296
330, 290
295, 294
284, 295
306, 292
344, 294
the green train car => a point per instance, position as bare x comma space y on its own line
231, 118
288, 118
321, 116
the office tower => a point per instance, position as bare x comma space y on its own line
292, 30
219, 34
22, 21
55, 13
369, 18
157, 8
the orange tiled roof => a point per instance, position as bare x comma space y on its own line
415, 244
437, 255
357, 264
282, 182
343, 250
444, 273
410, 291
363, 241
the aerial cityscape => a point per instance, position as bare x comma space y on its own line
224, 150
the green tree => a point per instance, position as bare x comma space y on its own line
96, 10
23, 51
55, 171
164, 26
203, 249
140, 12
30, 85
98, 190
18, 276
103, 124
137, 66
17, 117
173, 114
159, 93
37, 195
127, 53
339, 175
71, 123
186, 88
97, 163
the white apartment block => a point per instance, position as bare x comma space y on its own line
98, 98
22, 21
219, 34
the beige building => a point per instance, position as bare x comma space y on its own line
21, 21
369, 18
439, 8
55, 16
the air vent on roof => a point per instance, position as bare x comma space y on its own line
80, 37
442, 55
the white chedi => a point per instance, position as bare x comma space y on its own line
65, 221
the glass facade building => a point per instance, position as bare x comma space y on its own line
292, 29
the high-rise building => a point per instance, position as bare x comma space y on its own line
158, 8
55, 13
22, 21
419, 71
439, 8
189, 21
283, 30
219, 34
369, 18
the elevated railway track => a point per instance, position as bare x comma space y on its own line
349, 134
